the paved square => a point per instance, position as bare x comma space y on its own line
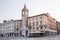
35, 38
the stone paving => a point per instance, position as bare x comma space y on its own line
34, 38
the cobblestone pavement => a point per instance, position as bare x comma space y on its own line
36, 38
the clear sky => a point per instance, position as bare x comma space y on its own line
11, 9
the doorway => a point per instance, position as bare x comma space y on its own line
26, 33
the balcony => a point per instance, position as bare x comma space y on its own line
42, 26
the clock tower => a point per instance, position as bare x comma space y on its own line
24, 21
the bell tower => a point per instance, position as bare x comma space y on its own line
24, 20
25, 11
25, 15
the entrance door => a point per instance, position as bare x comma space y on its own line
26, 33
20, 33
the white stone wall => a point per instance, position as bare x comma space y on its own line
7, 27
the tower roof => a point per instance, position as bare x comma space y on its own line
24, 9
24, 5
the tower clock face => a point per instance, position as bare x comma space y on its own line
23, 12
26, 12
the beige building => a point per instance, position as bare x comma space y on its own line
58, 27
42, 23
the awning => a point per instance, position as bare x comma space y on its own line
50, 30
37, 31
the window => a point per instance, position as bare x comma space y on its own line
30, 19
30, 24
37, 23
37, 28
45, 23
33, 28
40, 22
33, 23
36, 18
41, 27
33, 18
40, 17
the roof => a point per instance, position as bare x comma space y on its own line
46, 14
17, 20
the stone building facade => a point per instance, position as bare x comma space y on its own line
42, 23
7, 28
58, 27
37, 25
24, 27
17, 26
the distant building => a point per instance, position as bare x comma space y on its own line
17, 26
58, 27
7, 28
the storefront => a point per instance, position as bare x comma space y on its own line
36, 34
